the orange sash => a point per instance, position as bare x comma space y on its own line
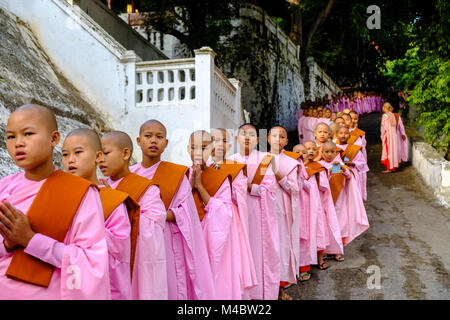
50, 214
168, 177
337, 182
350, 152
397, 116
212, 179
352, 139
357, 132
135, 186
313, 167
232, 169
261, 170
293, 155
111, 199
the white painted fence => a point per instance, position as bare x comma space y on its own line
320, 83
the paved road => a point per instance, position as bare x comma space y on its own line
408, 240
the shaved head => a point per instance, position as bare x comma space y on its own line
152, 122
90, 134
248, 125
328, 144
222, 130
334, 127
278, 126
121, 139
299, 148
309, 142
205, 135
41, 113
321, 124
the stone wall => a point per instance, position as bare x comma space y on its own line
267, 62
27, 75
320, 84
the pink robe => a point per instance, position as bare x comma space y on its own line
149, 273
311, 127
402, 144
287, 207
222, 243
349, 207
240, 223
81, 261
360, 172
118, 229
389, 139
263, 228
361, 141
302, 128
307, 218
328, 234
188, 271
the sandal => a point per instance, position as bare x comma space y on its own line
338, 257
304, 276
290, 284
323, 266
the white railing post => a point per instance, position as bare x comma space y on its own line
129, 60
204, 77
239, 111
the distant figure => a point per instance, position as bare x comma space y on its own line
389, 140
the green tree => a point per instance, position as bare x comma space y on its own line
424, 73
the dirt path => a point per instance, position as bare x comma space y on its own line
408, 240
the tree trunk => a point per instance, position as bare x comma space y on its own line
296, 22
320, 19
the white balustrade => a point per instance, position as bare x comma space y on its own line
224, 93
165, 82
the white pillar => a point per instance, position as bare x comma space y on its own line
128, 61
239, 111
204, 81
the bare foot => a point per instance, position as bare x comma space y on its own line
283, 295
385, 171
339, 257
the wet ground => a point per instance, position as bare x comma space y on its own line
405, 254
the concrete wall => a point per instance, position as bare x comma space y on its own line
28, 76
120, 30
432, 167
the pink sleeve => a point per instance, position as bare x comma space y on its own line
267, 183
149, 273
360, 162
216, 224
3, 251
401, 127
46, 249
290, 183
256, 190
84, 267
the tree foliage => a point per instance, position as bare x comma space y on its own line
424, 73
